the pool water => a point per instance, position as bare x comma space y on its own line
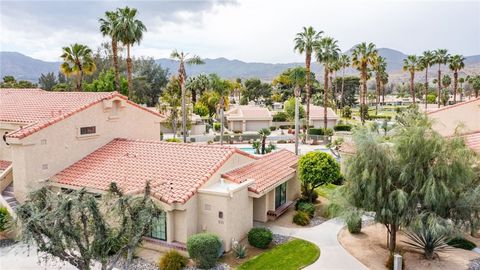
249, 150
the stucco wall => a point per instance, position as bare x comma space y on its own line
256, 125
52, 149
466, 117
260, 209
319, 123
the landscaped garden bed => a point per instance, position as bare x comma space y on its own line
369, 247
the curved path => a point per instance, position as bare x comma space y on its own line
332, 255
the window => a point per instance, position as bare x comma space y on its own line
159, 227
88, 130
280, 195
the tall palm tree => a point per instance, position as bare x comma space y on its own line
461, 81
182, 76
326, 52
384, 79
334, 67
78, 61
426, 61
344, 63
107, 25
455, 64
298, 77
411, 64
440, 58
379, 66
304, 43
128, 30
363, 57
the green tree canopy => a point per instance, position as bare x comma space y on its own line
289, 108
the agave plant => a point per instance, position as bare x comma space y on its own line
239, 249
428, 242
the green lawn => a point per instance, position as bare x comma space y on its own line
326, 190
293, 255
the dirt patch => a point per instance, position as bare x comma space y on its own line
369, 247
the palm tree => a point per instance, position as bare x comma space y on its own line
379, 66
455, 64
128, 30
363, 57
343, 62
107, 25
384, 79
440, 58
298, 76
264, 133
304, 43
326, 52
78, 61
461, 81
411, 64
426, 61
182, 76
334, 67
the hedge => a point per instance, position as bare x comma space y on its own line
372, 117
321, 131
280, 117
260, 237
204, 249
342, 127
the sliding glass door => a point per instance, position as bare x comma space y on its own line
280, 195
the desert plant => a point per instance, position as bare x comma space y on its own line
216, 126
462, 243
301, 218
4, 218
427, 241
260, 237
308, 208
239, 249
204, 249
354, 222
172, 260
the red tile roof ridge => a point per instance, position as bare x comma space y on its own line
36, 126
453, 106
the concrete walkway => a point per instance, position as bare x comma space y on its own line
332, 255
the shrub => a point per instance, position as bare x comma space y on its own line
317, 131
342, 127
173, 140
462, 243
281, 141
172, 260
4, 218
431, 98
354, 223
308, 208
260, 237
306, 197
272, 128
386, 117
347, 112
204, 249
201, 109
301, 218
285, 126
216, 126
280, 117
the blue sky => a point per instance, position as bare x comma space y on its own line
249, 30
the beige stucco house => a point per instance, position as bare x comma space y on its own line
316, 117
74, 140
45, 132
248, 118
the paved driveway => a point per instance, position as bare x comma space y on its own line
332, 255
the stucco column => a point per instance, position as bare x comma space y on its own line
170, 226
244, 125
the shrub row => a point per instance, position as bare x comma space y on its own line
342, 127
321, 131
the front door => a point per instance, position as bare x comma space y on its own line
280, 195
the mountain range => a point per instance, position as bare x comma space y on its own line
23, 67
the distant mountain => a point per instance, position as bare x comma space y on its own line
24, 67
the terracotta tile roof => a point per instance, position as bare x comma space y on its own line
316, 112
472, 140
249, 112
4, 164
266, 171
175, 170
453, 106
38, 109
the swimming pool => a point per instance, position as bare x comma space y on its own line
249, 150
